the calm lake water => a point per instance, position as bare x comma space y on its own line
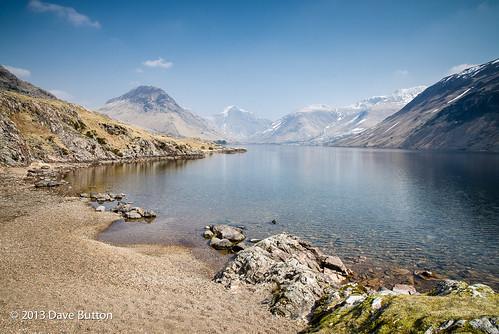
414, 210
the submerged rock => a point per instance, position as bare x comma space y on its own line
290, 268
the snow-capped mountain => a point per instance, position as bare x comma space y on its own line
153, 109
461, 111
321, 123
239, 124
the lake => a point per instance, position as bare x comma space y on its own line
387, 208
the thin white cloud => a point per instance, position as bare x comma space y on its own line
402, 72
459, 68
17, 71
60, 94
68, 13
158, 63
139, 70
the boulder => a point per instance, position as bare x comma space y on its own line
133, 215
233, 234
221, 243
290, 269
149, 214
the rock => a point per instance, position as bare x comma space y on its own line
485, 325
47, 183
404, 289
221, 243
273, 221
207, 234
132, 215
335, 263
149, 214
354, 299
233, 234
376, 304
239, 247
254, 241
139, 210
424, 274
119, 196
289, 267
100, 208
45, 167
207, 227
84, 195
401, 271
122, 208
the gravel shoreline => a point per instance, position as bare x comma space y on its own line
51, 262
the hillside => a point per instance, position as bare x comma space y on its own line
460, 112
34, 125
53, 130
152, 108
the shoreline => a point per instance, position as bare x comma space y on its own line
50, 260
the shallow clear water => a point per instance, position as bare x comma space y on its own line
438, 211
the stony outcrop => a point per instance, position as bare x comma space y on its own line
294, 273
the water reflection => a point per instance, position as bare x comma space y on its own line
414, 209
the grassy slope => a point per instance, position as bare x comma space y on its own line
406, 313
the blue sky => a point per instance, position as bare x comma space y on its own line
269, 57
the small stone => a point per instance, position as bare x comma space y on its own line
149, 214
376, 304
423, 274
84, 195
254, 241
133, 215
354, 299
207, 234
207, 227
401, 271
404, 289
100, 208
274, 221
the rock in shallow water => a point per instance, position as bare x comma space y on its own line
233, 234
221, 243
292, 269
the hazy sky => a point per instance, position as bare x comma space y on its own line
269, 57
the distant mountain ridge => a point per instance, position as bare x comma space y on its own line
318, 124
238, 124
153, 109
460, 112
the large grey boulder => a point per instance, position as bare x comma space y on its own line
294, 273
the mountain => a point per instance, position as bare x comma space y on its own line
34, 125
460, 112
153, 109
317, 124
238, 124
9, 82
